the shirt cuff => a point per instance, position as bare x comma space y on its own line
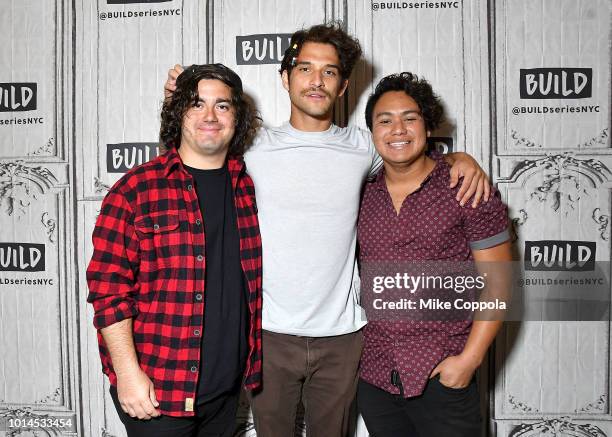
114, 314
495, 240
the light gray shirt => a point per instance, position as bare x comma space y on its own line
308, 186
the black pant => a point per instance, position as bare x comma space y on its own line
439, 412
216, 418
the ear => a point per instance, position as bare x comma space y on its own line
343, 88
285, 79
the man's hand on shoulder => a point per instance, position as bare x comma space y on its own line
170, 85
475, 181
136, 395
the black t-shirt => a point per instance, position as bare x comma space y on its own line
224, 342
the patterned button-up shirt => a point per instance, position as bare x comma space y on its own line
148, 264
431, 225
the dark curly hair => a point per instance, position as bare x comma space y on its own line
419, 89
347, 47
186, 96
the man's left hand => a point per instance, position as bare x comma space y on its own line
475, 181
455, 371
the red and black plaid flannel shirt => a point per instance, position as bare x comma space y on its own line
148, 264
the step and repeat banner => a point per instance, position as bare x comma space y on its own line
527, 88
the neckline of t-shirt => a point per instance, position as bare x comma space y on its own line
287, 127
209, 172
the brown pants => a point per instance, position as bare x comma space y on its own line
322, 372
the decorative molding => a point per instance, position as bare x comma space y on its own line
559, 427
559, 188
566, 179
603, 221
27, 413
45, 149
521, 141
100, 186
520, 406
516, 222
105, 433
17, 181
52, 398
599, 139
50, 226
594, 170
245, 426
598, 405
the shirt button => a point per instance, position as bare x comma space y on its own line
198, 296
198, 222
156, 226
189, 187
194, 369
196, 332
200, 257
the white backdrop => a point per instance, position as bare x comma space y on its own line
527, 86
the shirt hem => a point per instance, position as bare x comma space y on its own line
314, 333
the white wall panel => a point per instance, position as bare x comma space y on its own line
126, 51
32, 83
441, 42
39, 372
558, 34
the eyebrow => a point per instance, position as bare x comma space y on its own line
217, 101
410, 111
337, 67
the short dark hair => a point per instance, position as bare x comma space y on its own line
347, 47
186, 96
420, 90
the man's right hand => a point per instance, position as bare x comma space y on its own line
137, 395
170, 85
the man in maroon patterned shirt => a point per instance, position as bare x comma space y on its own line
176, 249
417, 376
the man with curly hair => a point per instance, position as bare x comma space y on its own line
417, 375
175, 277
308, 175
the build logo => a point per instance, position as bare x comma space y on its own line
558, 256
556, 83
16, 97
22, 257
124, 156
267, 48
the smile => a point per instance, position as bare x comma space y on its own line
399, 144
209, 128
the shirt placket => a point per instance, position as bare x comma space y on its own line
399, 376
196, 321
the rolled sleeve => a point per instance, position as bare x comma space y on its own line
112, 271
493, 241
486, 225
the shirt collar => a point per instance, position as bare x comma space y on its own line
171, 161
435, 179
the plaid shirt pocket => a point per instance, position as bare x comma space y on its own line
160, 240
